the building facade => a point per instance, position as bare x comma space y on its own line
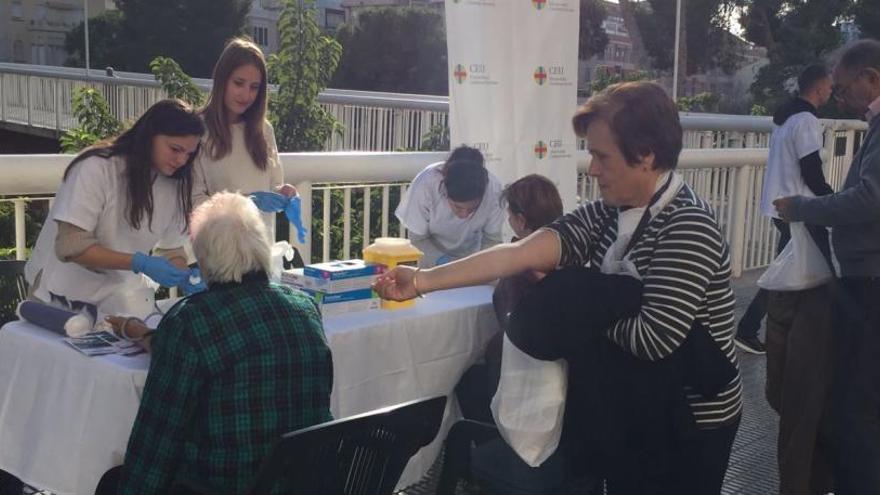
263, 19
618, 55
33, 31
355, 7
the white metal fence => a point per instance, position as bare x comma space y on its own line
723, 160
371, 183
39, 97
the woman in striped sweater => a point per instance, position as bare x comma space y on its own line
651, 225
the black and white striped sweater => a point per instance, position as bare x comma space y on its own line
684, 263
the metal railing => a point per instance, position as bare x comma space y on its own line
371, 184
39, 97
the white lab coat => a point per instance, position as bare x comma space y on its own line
426, 213
93, 198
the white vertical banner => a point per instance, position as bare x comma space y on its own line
513, 86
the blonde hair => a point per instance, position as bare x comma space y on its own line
238, 52
229, 238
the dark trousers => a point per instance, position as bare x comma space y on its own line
699, 463
751, 321
856, 391
800, 368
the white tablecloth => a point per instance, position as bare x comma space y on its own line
65, 418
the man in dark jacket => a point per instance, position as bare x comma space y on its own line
854, 217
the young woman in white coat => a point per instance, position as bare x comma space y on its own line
452, 209
119, 201
240, 153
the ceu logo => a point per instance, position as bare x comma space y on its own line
540, 150
540, 76
460, 73
539, 4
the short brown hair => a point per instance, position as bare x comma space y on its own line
534, 197
643, 118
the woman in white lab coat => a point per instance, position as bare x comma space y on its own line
452, 209
118, 202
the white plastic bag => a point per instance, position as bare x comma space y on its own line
529, 404
799, 266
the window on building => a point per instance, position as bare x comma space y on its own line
333, 18
18, 52
16, 10
261, 35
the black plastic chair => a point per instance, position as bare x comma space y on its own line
360, 455
14, 270
463, 435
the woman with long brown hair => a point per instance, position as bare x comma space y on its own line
119, 201
240, 153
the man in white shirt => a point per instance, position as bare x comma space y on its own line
799, 334
794, 167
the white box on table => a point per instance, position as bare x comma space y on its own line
345, 302
340, 276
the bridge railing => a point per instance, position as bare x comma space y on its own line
361, 190
38, 99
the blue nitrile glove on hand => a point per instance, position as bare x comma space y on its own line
269, 202
446, 258
194, 283
159, 269
294, 216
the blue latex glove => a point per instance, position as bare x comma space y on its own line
294, 216
269, 202
159, 269
446, 258
189, 287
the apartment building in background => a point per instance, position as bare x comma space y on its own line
263, 19
33, 31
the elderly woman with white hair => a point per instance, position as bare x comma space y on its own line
232, 368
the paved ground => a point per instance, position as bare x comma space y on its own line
752, 468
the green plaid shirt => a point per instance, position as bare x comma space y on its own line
232, 369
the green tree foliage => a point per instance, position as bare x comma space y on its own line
604, 78
192, 32
592, 39
796, 34
708, 44
176, 82
866, 14
302, 68
758, 110
96, 121
436, 139
398, 50
702, 102
105, 43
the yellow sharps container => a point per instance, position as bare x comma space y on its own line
392, 251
